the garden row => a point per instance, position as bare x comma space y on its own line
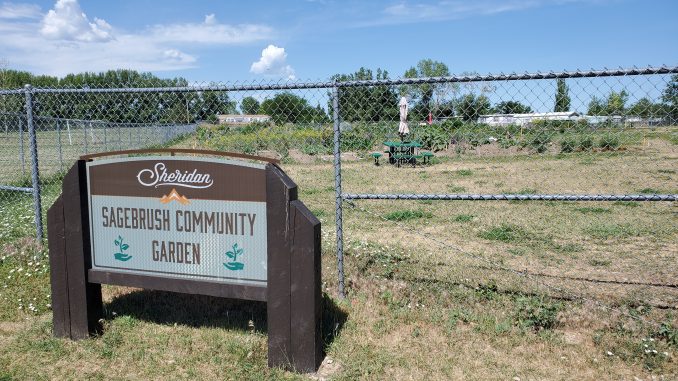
317, 139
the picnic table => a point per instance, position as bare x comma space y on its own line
403, 152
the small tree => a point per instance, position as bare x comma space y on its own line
562, 96
249, 105
670, 98
427, 96
616, 102
596, 107
471, 106
512, 107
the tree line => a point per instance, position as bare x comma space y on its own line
364, 103
160, 107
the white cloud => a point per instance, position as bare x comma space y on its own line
19, 11
210, 32
68, 22
405, 12
71, 41
273, 62
210, 19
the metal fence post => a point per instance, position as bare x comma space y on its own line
35, 175
337, 190
84, 134
61, 157
21, 147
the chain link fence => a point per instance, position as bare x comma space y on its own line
585, 147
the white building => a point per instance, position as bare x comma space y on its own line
525, 119
239, 119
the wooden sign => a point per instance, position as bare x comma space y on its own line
197, 225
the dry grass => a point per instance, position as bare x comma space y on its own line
418, 309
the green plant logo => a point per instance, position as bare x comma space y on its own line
121, 255
233, 254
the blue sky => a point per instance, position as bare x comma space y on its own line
296, 40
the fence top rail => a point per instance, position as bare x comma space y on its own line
512, 197
173, 151
382, 82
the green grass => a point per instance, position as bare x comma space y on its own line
612, 230
505, 233
593, 210
405, 215
463, 218
416, 309
650, 191
630, 204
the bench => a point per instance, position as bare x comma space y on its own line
400, 158
427, 156
376, 156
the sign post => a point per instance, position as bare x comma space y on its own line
195, 225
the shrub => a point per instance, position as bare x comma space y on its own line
568, 144
585, 143
506, 142
404, 215
539, 141
537, 313
609, 142
361, 137
434, 137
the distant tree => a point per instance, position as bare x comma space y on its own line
670, 98
647, 109
470, 106
289, 108
596, 107
512, 107
423, 94
616, 103
562, 96
320, 116
213, 103
249, 105
366, 103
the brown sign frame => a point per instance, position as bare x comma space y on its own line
292, 293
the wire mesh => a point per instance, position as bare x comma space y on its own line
607, 137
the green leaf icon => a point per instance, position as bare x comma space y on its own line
124, 247
234, 265
122, 257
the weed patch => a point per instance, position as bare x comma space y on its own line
505, 233
611, 230
406, 215
463, 218
536, 313
593, 210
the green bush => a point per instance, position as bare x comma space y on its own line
404, 215
507, 142
279, 139
434, 137
536, 313
609, 142
568, 144
585, 143
539, 141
